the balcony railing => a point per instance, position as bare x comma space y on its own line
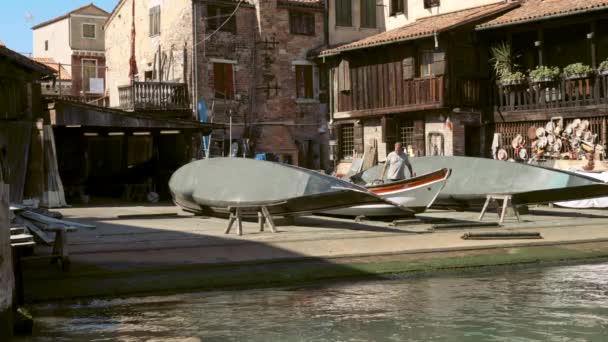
154, 96
591, 90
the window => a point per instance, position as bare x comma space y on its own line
431, 3
223, 80
368, 13
304, 87
301, 23
347, 140
221, 18
407, 135
397, 7
426, 63
154, 21
88, 31
46, 45
89, 70
344, 13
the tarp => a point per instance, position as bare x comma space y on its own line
598, 202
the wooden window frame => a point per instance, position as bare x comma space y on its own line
396, 7
347, 131
154, 21
225, 92
94, 31
365, 15
82, 62
431, 3
219, 16
427, 66
305, 81
343, 21
305, 28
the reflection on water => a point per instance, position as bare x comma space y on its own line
550, 304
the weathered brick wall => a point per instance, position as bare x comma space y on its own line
264, 52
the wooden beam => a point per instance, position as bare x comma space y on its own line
384, 111
540, 115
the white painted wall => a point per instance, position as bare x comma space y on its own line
415, 10
58, 35
176, 29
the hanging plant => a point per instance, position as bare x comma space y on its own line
603, 68
577, 70
544, 74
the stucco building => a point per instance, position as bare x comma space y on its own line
75, 41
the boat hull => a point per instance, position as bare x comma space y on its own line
408, 197
473, 178
212, 186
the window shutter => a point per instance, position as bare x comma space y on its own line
229, 81
408, 68
344, 76
438, 63
218, 80
389, 129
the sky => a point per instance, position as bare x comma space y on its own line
18, 16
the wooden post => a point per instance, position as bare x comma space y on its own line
540, 47
7, 283
593, 47
59, 76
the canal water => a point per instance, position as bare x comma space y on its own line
566, 303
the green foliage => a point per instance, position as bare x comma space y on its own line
503, 60
577, 69
544, 73
512, 78
603, 67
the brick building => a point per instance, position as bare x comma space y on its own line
243, 62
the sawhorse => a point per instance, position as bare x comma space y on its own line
238, 212
506, 202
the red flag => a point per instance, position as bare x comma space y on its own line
132, 62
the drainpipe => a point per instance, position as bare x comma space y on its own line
194, 62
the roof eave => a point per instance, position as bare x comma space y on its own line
400, 40
530, 20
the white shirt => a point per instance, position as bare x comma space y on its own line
396, 165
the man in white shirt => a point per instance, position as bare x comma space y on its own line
396, 162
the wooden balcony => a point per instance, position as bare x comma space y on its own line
558, 94
374, 95
154, 96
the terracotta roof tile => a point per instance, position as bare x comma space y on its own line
51, 63
425, 27
533, 10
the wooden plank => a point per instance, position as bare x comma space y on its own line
399, 84
53, 221
38, 233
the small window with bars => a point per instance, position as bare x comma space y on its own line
88, 31
406, 134
304, 86
347, 140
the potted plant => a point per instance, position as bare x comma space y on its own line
512, 78
544, 74
503, 60
577, 70
603, 68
